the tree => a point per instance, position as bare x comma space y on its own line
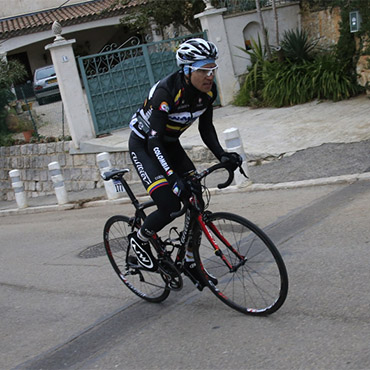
276, 23
264, 32
10, 72
164, 13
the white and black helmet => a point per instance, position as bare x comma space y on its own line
194, 50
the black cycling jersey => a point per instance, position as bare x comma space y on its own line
171, 107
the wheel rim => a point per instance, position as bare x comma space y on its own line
259, 283
145, 284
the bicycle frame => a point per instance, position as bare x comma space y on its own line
256, 285
194, 221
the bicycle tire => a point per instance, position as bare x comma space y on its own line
259, 286
146, 284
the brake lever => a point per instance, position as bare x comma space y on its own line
242, 172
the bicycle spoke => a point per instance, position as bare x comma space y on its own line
146, 284
257, 281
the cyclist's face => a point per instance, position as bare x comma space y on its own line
200, 79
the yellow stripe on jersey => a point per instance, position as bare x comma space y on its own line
178, 96
157, 184
176, 128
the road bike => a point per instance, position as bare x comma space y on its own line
234, 258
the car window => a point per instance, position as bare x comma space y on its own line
45, 73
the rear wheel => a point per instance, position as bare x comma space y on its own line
146, 284
256, 281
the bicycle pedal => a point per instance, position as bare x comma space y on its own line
200, 286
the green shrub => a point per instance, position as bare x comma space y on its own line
300, 77
10, 72
332, 80
291, 83
251, 89
287, 83
297, 46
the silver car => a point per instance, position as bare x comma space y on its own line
45, 84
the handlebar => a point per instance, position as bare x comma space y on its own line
204, 174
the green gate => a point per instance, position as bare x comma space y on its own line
117, 82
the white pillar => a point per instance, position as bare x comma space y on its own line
17, 184
78, 118
58, 182
212, 21
234, 143
105, 165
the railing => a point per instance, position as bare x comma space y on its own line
234, 6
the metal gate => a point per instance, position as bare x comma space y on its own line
117, 82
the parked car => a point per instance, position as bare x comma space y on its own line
45, 84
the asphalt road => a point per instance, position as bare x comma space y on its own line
63, 310
326, 160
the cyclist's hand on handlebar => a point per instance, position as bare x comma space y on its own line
233, 160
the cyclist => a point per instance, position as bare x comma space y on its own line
172, 105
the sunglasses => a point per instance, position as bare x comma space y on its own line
205, 71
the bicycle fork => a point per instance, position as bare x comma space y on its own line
205, 226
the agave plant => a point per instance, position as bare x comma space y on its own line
298, 46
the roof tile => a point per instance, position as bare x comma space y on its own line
72, 14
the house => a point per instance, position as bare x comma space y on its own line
25, 27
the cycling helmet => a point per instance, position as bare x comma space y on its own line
195, 50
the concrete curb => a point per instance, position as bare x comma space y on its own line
247, 187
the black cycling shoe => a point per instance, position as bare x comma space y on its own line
143, 252
191, 271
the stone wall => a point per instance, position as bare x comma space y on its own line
323, 25
80, 171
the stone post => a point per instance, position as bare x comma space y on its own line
105, 165
17, 184
58, 182
212, 21
78, 118
234, 143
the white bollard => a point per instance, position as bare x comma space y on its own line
17, 184
105, 165
58, 182
234, 143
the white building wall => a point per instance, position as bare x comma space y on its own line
17, 7
289, 18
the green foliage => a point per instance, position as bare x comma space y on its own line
10, 73
300, 77
331, 78
287, 83
165, 13
296, 83
297, 46
251, 89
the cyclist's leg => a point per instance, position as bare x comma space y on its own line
158, 188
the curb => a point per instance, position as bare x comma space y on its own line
246, 187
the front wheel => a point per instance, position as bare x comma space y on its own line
146, 284
247, 272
